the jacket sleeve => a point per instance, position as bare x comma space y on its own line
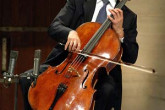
129, 45
59, 28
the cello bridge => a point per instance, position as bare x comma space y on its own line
71, 70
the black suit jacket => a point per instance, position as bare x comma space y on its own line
77, 12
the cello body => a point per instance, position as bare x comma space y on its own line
70, 85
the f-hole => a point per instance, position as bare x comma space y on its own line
86, 72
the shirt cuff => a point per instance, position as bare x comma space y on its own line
121, 39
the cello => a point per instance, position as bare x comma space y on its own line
69, 86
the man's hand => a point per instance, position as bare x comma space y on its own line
117, 21
73, 43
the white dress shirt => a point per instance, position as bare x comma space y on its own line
99, 5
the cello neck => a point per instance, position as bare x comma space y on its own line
96, 37
107, 22
121, 4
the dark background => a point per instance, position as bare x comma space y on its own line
25, 13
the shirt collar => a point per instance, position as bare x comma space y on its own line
112, 2
109, 1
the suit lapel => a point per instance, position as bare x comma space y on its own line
89, 7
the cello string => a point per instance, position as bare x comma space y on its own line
107, 22
74, 63
70, 65
81, 58
78, 60
92, 43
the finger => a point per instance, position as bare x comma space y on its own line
67, 44
116, 12
74, 46
70, 45
78, 46
113, 13
112, 19
120, 12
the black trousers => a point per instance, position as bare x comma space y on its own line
104, 97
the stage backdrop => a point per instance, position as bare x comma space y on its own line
143, 91
18, 16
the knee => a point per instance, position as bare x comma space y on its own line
107, 90
24, 83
